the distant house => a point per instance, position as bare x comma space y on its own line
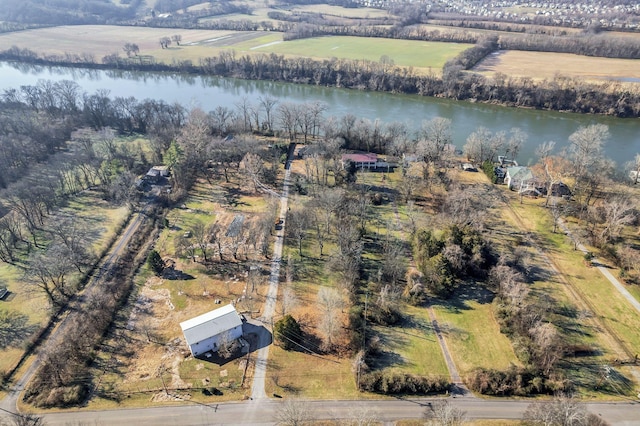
559, 189
364, 160
505, 162
518, 177
156, 173
208, 332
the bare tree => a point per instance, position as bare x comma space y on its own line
294, 412
201, 239
254, 169
268, 104
289, 300
548, 346
616, 213
49, 272
297, 224
226, 346
329, 301
131, 49
442, 413
165, 42
434, 143
562, 410
587, 158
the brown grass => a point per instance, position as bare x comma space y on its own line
100, 40
547, 65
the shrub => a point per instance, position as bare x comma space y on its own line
518, 381
287, 331
155, 262
390, 383
489, 169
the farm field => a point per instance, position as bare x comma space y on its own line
104, 40
406, 53
100, 40
547, 65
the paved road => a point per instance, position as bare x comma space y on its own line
8, 404
262, 412
257, 389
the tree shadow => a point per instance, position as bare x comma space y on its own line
232, 197
14, 329
467, 292
170, 273
600, 377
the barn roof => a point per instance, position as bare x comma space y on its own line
210, 324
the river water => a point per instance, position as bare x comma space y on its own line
209, 92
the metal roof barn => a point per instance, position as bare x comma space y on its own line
205, 332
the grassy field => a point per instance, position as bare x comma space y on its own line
30, 305
609, 328
412, 347
103, 40
407, 53
473, 335
546, 65
100, 40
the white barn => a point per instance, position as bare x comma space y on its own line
205, 332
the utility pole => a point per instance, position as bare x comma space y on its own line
364, 338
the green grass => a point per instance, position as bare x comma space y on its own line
407, 53
323, 378
473, 336
617, 314
413, 346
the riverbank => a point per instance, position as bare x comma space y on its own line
559, 94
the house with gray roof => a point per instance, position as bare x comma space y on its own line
208, 332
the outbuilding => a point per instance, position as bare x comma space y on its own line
208, 332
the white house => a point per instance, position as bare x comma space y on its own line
518, 177
208, 331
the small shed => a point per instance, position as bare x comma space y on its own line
208, 332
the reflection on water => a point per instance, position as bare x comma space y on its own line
209, 92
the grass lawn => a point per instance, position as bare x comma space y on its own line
292, 373
473, 335
412, 347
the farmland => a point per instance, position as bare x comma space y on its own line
104, 40
548, 65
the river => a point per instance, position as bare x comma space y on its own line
209, 92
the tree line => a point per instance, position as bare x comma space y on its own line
559, 93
